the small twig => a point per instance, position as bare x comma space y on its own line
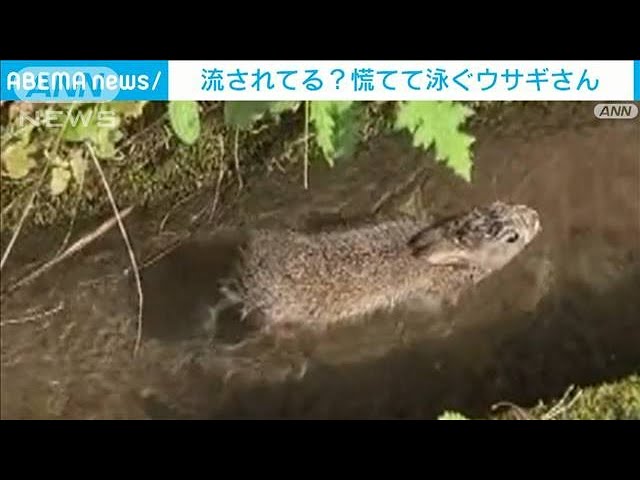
165, 219
125, 237
221, 172
259, 129
306, 145
305, 139
6, 208
385, 197
289, 150
237, 158
562, 405
34, 317
162, 253
25, 214
77, 246
58, 139
65, 241
519, 411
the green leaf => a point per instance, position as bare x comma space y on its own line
185, 120
60, 177
128, 109
243, 114
336, 126
452, 416
279, 107
86, 125
346, 130
438, 123
17, 160
24, 135
104, 139
78, 165
106, 142
80, 132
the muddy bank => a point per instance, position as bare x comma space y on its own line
566, 311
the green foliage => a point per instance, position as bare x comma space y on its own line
63, 170
336, 126
336, 123
244, 114
78, 165
617, 400
97, 124
128, 109
438, 123
60, 177
16, 157
448, 415
55, 135
184, 117
279, 107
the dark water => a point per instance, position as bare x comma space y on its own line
567, 311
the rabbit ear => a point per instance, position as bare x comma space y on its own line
431, 245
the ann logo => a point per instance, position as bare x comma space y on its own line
616, 110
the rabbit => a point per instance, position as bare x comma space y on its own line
319, 279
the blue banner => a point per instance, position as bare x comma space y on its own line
85, 81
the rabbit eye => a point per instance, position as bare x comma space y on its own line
512, 237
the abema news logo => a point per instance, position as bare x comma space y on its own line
90, 81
